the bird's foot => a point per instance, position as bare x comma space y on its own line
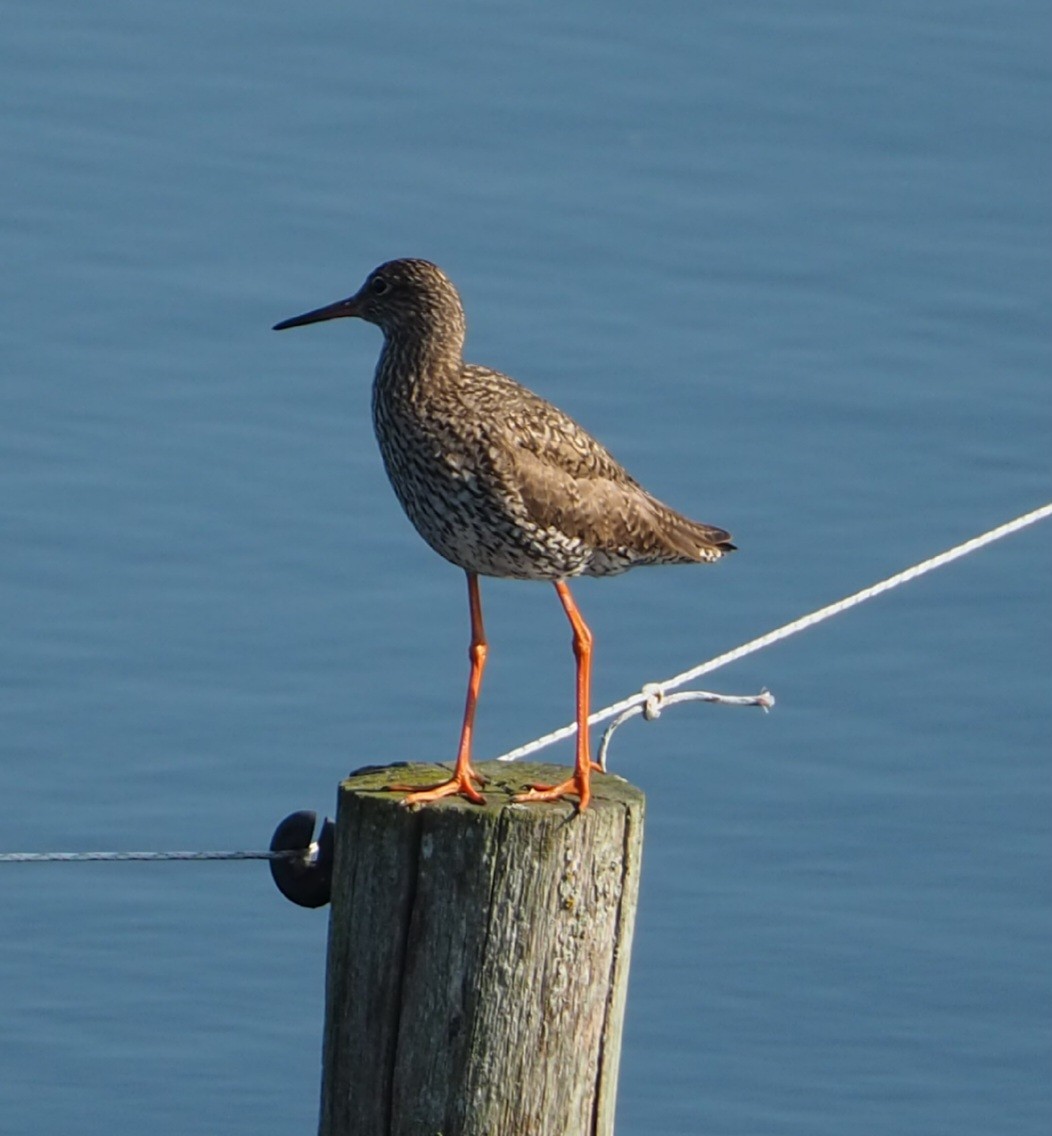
459, 785
578, 786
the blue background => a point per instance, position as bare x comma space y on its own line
791, 263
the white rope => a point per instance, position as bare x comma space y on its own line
783, 632
656, 699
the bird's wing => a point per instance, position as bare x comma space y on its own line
611, 515
523, 420
568, 481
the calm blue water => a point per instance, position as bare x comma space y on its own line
791, 262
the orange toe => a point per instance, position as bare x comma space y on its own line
456, 786
579, 789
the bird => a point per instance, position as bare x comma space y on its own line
501, 483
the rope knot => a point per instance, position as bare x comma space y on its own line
653, 697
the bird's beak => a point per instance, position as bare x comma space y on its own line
348, 307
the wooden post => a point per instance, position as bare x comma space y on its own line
478, 958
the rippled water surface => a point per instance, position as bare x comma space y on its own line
790, 262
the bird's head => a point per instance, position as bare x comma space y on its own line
404, 298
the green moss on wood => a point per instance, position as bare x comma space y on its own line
503, 781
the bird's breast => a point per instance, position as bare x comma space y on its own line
446, 477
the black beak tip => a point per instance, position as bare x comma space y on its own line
348, 307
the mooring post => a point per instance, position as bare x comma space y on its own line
478, 958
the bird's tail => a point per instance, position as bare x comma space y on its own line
694, 541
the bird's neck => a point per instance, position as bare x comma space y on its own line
409, 360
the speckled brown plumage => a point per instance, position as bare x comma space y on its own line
496, 479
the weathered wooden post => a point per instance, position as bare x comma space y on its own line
478, 959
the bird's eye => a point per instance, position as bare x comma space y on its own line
380, 286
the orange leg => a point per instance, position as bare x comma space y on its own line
464, 775
582, 649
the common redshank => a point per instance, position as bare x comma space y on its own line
501, 483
